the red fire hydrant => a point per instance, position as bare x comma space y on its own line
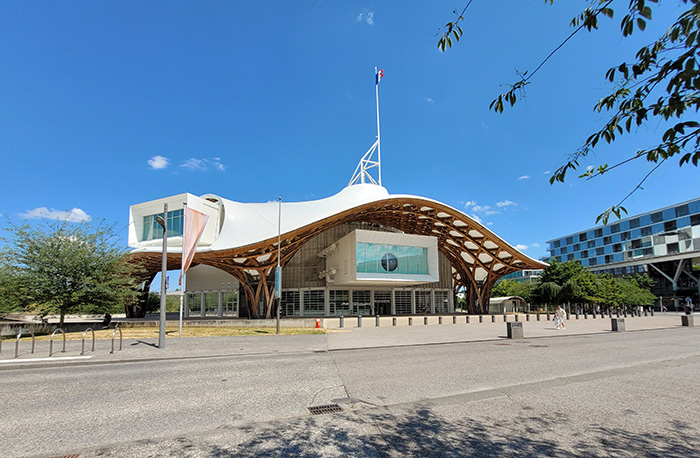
318, 323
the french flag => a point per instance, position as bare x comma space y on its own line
379, 75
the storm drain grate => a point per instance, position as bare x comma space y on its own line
320, 410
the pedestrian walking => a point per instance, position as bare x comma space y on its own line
559, 317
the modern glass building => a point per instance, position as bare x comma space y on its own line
664, 243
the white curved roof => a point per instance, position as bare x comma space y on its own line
246, 223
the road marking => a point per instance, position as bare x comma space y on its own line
35, 360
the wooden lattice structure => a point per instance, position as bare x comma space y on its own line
478, 256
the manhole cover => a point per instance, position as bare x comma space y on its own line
320, 410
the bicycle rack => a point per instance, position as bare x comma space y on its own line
19, 334
120, 338
51, 341
82, 348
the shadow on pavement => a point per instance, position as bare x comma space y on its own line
425, 434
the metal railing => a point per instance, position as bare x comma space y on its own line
82, 351
51, 341
117, 328
19, 335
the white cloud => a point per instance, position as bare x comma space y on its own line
489, 224
430, 100
535, 245
218, 165
546, 172
589, 168
367, 16
193, 164
74, 216
158, 162
469, 203
490, 212
521, 247
524, 177
477, 219
506, 203
481, 208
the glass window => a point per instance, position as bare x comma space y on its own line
591, 244
592, 262
423, 302
557, 243
634, 223
682, 210
599, 232
607, 240
570, 257
314, 302
670, 226
636, 244
402, 302
290, 303
672, 248
648, 252
617, 248
584, 254
625, 236
695, 220
582, 237
615, 228
646, 231
153, 231
599, 251
569, 240
361, 304
339, 302
442, 301
577, 247
394, 259
608, 259
657, 217
563, 250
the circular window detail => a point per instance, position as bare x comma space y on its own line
389, 262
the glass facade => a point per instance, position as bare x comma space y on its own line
394, 259
673, 230
152, 230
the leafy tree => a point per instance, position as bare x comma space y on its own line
547, 292
634, 290
560, 272
66, 268
507, 287
660, 85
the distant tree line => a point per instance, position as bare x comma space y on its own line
570, 283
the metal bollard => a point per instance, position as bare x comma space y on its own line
342, 321
548, 317
505, 318
439, 320
410, 321
393, 321
493, 318
527, 317
425, 320
652, 312
481, 318
467, 319
376, 321
516, 317
585, 315
454, 320
538, 317
577, 316
645, 312
359, 321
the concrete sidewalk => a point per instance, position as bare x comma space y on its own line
347, 338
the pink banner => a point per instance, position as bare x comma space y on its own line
194, 228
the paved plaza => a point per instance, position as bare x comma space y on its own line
421, 390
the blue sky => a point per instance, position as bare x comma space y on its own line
108, 104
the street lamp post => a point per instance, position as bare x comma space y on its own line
162, 220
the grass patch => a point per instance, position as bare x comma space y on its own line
151, 332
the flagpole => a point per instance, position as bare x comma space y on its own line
379, 143
278, 272
182, 263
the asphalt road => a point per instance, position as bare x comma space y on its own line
615, 394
